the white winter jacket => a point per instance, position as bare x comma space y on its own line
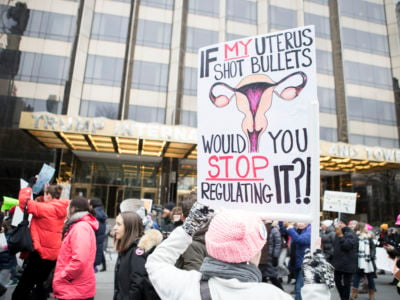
172, 283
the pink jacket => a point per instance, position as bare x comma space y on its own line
74, 276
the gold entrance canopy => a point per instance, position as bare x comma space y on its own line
153, 139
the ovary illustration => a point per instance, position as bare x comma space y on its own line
253, 98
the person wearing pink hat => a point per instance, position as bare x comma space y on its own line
234, 241
398, 220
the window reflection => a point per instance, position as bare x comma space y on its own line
104, 70
204, 7
190, 81
373, 141
110, 27
326, 98
369, 75
169, 4
188, 118
363, 10
324, 62
322, 26
368, 110
365, 41
150, 76
241, 10
147, 114
328, 134
91, 108
197, 38
44, 68
154, 34
282, 18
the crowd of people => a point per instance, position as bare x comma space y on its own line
188, 251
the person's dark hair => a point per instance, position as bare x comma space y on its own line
54, 190
96, 202
133, 230
187, 203
81, 204
78, 204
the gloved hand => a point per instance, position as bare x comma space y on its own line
25, 194
275, 261
317, 270
198, 216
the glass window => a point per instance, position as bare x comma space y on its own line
204, 7
110, 28
328, 134
326, 98
104, 70
154, 34
242, 11
282, 18
234, 36
363, 10
324, 62
150, 76
197, 38
369, 75
373, 141
319, 1
368, 110
36, 67
322, 26
91, 108
364, 41
188, 118
146, 114
168, 4
51, 25
190, 81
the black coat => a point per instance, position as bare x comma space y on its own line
131, 280
345, 252
100, 234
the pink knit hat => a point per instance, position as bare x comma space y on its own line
235, 237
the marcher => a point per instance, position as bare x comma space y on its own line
327, 234
74, 276
366, 257
302, 241
234, 241
270, 255
131, 279
46, 228
345, 257
101, 234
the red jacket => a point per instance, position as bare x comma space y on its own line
46, 224
74, 276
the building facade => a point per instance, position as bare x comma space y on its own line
105, 91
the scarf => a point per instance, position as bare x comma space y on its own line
73, 219
243, 272
364, 256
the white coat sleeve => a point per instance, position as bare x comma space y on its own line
169, 281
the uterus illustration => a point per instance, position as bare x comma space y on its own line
254, 98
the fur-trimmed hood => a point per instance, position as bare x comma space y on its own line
150, 239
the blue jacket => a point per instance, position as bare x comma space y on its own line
302, 241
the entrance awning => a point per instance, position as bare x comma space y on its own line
152, 139
105, 135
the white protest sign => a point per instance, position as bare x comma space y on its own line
258, 129
342, 202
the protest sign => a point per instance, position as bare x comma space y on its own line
258, 129
45, 175
341, 202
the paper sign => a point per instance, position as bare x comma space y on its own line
147, 203
23, 183
44, 177
340, 202
383, 261
258, 141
